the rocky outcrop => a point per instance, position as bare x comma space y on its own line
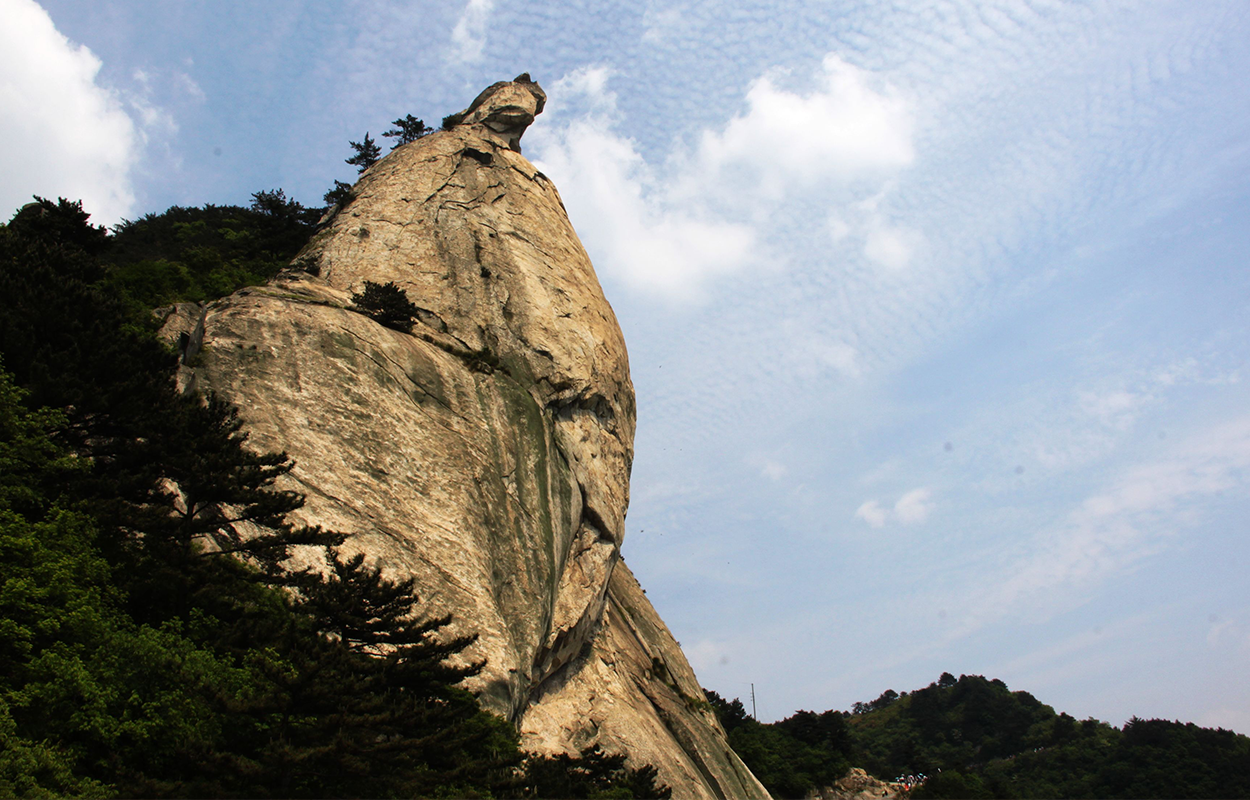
859, 785
487, 452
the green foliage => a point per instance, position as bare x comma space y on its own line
367, 153
972, 721
974, 738
594, 774
887, 698
198, 254
53, 596
82, 684
64, 223
804, 752
407, 129
140, 655
387, 304
1146, 758
340, 195
955, 784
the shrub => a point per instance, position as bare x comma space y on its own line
387, 304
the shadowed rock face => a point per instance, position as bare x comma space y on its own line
487, 453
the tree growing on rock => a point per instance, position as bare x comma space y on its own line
367, 153
387, 304
407, 129
339, 195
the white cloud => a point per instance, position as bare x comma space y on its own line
469, 36
839, 228
847, 129
872, 513
912, 508
152, 117
63, 133
1116, 409
840, 356
670, 230
773, 470
890, 247
653, 248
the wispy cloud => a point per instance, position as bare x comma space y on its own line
1073, 426
468, 37
769, 467
658, 23
912, 508
1108, 532
872, 513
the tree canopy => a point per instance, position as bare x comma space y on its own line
387, 304
974, 738
407, 129
366, 155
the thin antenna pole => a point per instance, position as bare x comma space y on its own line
753, 716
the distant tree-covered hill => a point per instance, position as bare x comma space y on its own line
974, 738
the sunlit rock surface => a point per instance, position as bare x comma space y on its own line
486, 453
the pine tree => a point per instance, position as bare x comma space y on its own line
387, 304
378, 711
593, 774
407, 129
367, 153
340, 195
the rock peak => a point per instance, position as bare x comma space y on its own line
505, 109
483, 452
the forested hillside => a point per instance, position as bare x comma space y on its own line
152, 642
974, 738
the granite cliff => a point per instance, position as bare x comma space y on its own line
487, 452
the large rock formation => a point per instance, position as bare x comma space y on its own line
487, 452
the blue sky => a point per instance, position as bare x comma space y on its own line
937, 311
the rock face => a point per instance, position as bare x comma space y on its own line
487, 452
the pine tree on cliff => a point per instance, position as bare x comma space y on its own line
367, 153
339, 195
387, 304
407, 129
